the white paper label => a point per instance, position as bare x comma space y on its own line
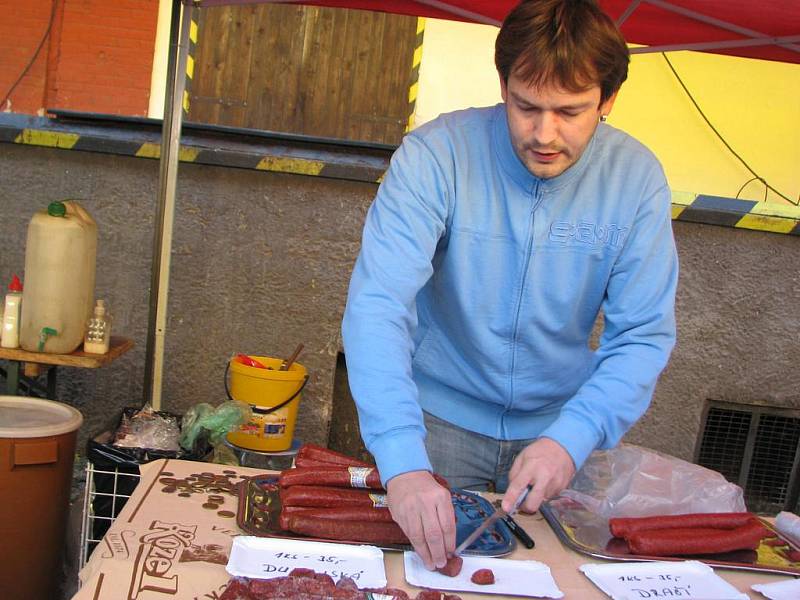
358, 476
688, 580
379, 500
265, 558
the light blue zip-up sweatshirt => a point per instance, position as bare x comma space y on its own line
478, 284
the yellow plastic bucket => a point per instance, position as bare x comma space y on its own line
274, 397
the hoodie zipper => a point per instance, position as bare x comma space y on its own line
536, 198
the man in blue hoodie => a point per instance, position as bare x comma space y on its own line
496, 238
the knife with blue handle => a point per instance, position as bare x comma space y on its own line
491, 520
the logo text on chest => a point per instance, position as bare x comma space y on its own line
585, 232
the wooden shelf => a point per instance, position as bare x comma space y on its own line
79, 358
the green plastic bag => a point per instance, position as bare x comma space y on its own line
217, 422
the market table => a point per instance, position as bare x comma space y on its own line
35, 362
166, 544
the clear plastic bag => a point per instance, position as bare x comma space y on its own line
147, 428
631, 481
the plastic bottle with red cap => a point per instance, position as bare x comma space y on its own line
9, 337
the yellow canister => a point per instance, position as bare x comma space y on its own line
274, 396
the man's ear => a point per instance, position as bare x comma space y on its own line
503, 87
605, 107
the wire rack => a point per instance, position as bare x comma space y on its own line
107, 491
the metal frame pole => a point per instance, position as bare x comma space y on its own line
164, 217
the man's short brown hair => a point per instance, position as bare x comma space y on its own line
570, 43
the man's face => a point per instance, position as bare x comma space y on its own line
550, 127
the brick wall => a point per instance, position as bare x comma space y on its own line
22, 27
98, 56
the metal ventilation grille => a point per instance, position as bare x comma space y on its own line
723, 443
756, 447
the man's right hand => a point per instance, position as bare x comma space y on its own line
424, 511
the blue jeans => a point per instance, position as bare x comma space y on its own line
469, 460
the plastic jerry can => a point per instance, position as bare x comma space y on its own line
60, 260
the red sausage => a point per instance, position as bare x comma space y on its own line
452, 567
776, 542
327, 497
346, 513
335, 476
483, 577
623, 527
325, 455
698, 540
362, 514
304, 463
354, 531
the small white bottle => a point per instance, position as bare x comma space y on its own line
9, 337
98, 331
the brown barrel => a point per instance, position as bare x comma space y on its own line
37, 447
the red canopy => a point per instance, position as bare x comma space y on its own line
766, 29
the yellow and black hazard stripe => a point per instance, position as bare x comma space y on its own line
733, 212
187, 92
413, 87
284, 158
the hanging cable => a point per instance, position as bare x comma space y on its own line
35, 54
756, 176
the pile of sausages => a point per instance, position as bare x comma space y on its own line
305, 584
332, 496
696, 533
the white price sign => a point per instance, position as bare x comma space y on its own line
687, 580
265, 558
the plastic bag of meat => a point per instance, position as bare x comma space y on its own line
306, 584
631, 481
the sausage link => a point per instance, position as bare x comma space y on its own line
361, 513
697, 540
335, 476
625, 526
325, 455
353, 531
327, 497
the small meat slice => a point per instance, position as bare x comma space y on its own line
482, 577
237, 589
393, 593
436, 595
453, 566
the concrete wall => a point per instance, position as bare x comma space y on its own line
261, 262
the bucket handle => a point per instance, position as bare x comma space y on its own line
262, 410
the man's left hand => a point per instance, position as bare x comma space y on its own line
544, 463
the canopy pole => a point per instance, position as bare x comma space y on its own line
167, 182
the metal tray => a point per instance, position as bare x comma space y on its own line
260, 506
588, 534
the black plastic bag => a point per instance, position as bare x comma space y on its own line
116, 471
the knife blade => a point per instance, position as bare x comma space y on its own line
491, 520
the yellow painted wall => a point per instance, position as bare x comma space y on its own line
754, 104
